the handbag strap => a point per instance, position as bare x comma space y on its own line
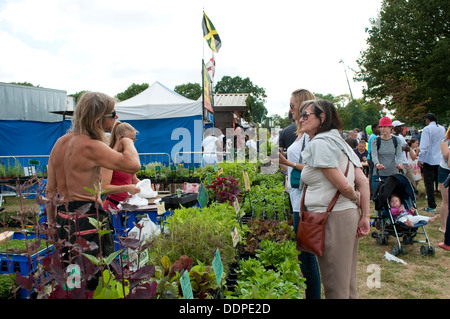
333, 201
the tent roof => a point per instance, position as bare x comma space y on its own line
157, 101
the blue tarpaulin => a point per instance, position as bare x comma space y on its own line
29, 137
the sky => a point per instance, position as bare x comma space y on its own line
107, 45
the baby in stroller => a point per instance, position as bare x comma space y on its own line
407, 217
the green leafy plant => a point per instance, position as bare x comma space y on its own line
256, 282
259, 230
7, 285
197, 234
18, 246
267, 199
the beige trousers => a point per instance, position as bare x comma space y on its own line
338, 262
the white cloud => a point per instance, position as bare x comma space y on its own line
108, 45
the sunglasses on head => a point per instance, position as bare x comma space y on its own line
113, 114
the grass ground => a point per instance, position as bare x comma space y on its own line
423, 277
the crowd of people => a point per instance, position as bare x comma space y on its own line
316, 145
312, 147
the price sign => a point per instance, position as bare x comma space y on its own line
246, 180
235, 236
161, 207
218, 267
186, 287
236, 206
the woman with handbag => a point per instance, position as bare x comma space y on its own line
294, 163
334, 182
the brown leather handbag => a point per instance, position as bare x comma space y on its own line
311, 226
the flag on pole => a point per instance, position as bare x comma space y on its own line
210, 34
211, 67
207, 89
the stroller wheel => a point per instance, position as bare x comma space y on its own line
424, 250
394, 251
431, 251
382, 239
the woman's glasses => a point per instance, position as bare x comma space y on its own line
113, 114
304, 115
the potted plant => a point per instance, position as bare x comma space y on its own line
2, 171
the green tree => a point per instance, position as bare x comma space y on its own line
256, 111
359, 113
406, 64
77, 95
190, 90
133, 90
25, 83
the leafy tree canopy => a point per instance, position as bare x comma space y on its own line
190, 90
133, 90
406, 65
256, 111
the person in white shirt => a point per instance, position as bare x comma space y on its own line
209, 146
407, 170
430, 157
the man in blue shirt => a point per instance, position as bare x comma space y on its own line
430, 156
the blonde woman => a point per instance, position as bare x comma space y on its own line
120, 184
75, 163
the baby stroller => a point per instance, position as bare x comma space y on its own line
398, 184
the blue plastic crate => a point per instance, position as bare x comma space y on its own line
125, 221
11, 263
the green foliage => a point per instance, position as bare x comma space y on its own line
109, 288
259, 230
16, 170
255, 281
7, 284
133, 90
359, 113
197, 234
274, 254
189, 90
267, 198
2, 170
77, 95
13, 245
255, 102
406, 62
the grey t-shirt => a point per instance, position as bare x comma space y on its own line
387, 155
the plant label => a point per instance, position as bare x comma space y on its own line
235, 236
246, 180
236, 206
217, 266
186, 285
161, 208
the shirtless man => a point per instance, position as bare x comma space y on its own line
75, 163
